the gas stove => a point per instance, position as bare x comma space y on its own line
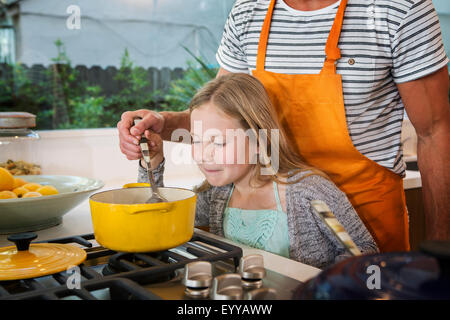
200, 269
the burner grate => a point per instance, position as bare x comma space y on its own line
80, 239
124, 289
147, 267
127, 271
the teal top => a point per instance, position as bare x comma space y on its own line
261, 229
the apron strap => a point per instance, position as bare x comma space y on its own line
264, 37
332, 51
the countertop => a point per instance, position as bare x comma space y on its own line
412, 180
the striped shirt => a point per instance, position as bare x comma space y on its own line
382, 43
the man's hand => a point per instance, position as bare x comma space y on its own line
427, 105
129, 134
163, 123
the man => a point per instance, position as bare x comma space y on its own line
341, 74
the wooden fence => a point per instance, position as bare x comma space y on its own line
159, 79
50, 78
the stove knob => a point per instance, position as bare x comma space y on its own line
227, 286
197, 278
261, 294
251, 269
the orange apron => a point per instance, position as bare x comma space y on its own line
311, 109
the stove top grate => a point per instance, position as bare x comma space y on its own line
129, 270
123, 289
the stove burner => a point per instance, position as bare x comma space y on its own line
125, 262
109, 270
117, 275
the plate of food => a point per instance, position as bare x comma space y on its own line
35, 202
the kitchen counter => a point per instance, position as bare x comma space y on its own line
412, 180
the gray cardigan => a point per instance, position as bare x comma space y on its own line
311, 242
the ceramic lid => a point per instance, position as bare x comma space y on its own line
26, 260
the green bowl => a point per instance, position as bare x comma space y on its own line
31, 214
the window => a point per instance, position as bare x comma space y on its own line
81, 64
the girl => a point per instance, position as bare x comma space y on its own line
246, 198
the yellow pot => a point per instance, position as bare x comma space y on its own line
122, 220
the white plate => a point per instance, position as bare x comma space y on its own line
31, 214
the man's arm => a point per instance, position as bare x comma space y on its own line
163, 123
174, 120
427, 105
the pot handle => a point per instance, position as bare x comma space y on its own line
156, 207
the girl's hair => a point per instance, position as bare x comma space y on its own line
244, 98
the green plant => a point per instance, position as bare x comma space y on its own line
66, 88
60, 95
134, 89
19, 93
88, 111
182, 90
131, 79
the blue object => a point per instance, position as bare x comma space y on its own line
261, 229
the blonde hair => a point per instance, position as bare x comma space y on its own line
244, 98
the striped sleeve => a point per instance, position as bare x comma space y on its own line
230, 54
417, 47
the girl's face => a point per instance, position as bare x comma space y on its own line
220, 146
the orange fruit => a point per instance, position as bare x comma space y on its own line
47, 190
20, 191
32, 186
18, 182
7, 195
32, 194
6, 180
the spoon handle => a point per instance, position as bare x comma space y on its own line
143, 143
146, 155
